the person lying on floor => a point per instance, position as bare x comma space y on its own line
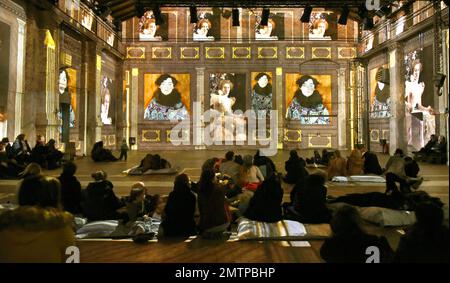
349, 241
99, 153
154, 162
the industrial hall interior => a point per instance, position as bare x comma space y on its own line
219, 131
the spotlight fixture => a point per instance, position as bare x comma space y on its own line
235, 16
193, 12
306, 14
158, 17
265, 17
344, 16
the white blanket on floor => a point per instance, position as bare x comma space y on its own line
359, 178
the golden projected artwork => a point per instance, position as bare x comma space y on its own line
308, 98
379, 92
167, 96
73, 88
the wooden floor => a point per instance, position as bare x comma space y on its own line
436, 183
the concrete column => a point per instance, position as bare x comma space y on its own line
279, 105
19, 78
198, 110
342, 113
134, 117
397, 126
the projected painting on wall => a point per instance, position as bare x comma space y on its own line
207, 27
322, 26
67, 86
308, 98
274, 30
419, 96
150, 29
262, 93
166, 96
379, 92
106, 100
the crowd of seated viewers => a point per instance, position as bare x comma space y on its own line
229, 188
15, 157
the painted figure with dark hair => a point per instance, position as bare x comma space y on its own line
307, 105
380, 106
166, 103
262, 96
65, 97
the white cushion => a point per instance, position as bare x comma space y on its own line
387, 217
104, 226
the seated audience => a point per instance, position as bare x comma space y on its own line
238, 159
179, 213
337, 165
427, 240
355, 163
229, 168
37, 231
295, 168
310, 200
99, 153
32, 169
214, 214
316, 159
427, 149
8, 166
99, 201
371, 164
39, 152
250, 176
265, 205
395, 173
264, 163
135, 203
439, 151
325, 157
210, 164
22, 150
70, 189
8, 148
349, 242
54, 155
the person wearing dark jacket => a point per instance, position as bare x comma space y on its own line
295, 168
99, 153
261, 160
99, 201
70, 189
427, 240
265, 205
310, 200
350, 242
54, 155
371, 164
180, 210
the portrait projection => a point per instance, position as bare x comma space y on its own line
166, 96
5, 33
308, 98
379, 93
262, 94
227, 94
419, 97
207, 27
322, 26
106, 100
67, 87
86, 19
274, 30
150, 30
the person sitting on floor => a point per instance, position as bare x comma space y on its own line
99, 202
22, 150
238, 159
99, 153
427, 240
295, 168
325, 157
54, 155
229, 168
337, 165
70, 189
355, 163
265, 205
264, 163
214, 213
179, 213
38, 230
39, 152
316, 159
8, 167
371, 164
310, 200
135, 203
32, 169
154, 162
439, 152
430, 144
251, 176
349, 242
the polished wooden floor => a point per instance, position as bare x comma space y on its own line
436, 183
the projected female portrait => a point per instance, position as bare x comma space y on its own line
67, 92
150, 29
86, 19
264, 32
310, 103
166, 96
106, 110
419, 97
262, 94
207, 27
379, 95
322, 26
